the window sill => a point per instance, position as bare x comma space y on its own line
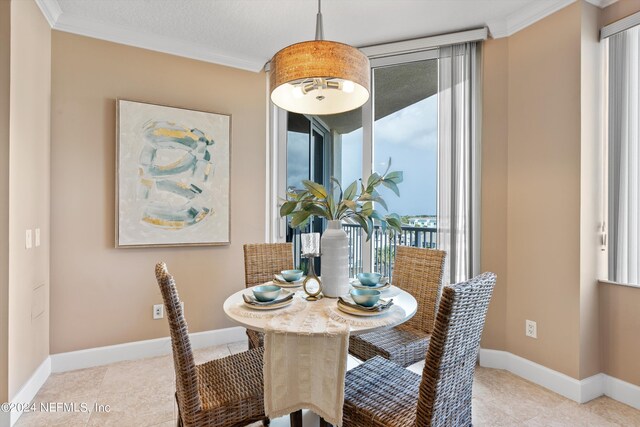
628, 285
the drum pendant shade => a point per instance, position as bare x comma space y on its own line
319, 77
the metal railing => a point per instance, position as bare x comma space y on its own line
384, 246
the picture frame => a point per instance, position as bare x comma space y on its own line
172, 176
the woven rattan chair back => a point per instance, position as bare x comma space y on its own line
447, 377
419, 271
263, 260
185, 367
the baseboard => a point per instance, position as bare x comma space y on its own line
99, 356
622, 391
28, 391
580, 391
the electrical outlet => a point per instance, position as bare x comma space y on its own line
531, 329
158, 311
37, 237
28, 242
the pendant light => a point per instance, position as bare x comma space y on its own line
319, 77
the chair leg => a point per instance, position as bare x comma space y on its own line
179, 423
323, 423
295, 418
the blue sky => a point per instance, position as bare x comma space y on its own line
409, 136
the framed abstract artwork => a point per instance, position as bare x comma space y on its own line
172, 176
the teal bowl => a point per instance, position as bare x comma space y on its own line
291, 275
365, 297
369, 279
266, 293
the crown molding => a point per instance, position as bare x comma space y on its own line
51, 11
126, 36
524, 17
503, 27
602, 3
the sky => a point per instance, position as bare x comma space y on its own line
410, 137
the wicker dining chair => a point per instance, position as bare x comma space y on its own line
261, 262
223, 392
419, 272
382, 393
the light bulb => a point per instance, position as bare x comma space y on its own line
348, 86
297, 92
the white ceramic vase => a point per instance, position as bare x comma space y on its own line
335, 260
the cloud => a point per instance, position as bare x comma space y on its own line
297, 158
415, 126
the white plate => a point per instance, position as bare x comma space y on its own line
379, 287
284, 284
389, 292
356, 312
361, 313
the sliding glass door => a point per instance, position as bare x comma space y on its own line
405, 131
399, 123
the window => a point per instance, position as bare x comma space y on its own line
623, 117
401, 121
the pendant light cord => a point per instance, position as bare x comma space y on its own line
319, 26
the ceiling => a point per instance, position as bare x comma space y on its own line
246, 33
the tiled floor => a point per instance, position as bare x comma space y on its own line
140, 393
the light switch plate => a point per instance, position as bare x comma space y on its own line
37, 237
27, 240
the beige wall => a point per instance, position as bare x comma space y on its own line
28, 191
541, 160
618, 10
5, 70
494, 185
101, 295
619, 314
543, 224
619, 326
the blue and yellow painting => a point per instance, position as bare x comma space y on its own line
174, 176
175, 161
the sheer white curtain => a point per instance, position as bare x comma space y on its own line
624, 156
458, 161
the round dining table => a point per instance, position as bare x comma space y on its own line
402, 299
322, 318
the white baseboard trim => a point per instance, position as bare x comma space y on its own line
29, 391
580, 391
91, 357
622, 391
99, 356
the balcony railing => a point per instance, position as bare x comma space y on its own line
384, 246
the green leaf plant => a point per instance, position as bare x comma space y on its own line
356, 202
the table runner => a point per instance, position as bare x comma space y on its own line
305, 362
